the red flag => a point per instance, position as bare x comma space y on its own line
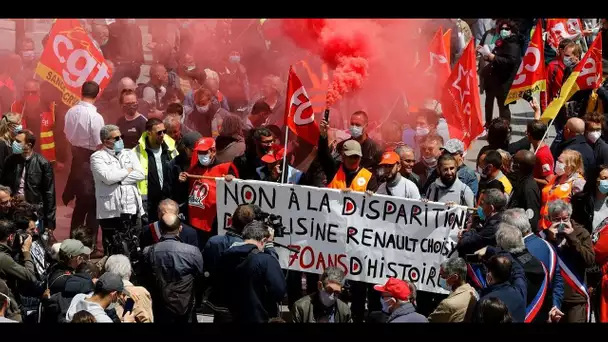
460, 102
558, 29
590, 66
438, 64
299, 113
447, 41
531, 74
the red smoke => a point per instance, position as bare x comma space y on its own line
345, 45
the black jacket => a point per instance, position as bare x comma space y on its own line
476, 239
253, 284
5, 151
501, 71
39, 182
526, 195
179, 190
56, 307
600, 151
155, 192
171, 269
580, 145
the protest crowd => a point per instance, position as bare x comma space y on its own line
161, 175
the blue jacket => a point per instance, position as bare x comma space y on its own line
544, 252
218, 244
468, 177
513, 293
187, 235
252, 284
406, 313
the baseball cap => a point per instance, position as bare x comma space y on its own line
109, 282
204, 144
352, 148
189, 139
396, 287
73, 247
390, 158
453, 146
273, 157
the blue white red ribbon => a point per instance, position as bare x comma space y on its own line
534, 307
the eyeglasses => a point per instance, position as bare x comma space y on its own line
117, 138
163, 132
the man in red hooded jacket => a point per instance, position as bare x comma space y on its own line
201, 199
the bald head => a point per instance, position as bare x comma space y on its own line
170, 223
524, 160
168, 206
576, 126
126, 83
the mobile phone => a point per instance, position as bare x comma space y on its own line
472, 258
527, 96
561, 227
129, 303
326, 115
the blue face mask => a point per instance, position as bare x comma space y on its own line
480, 213
603, 187
17, 148
204, 159
505, 33
119, 146
234, 59
18, 128
385, 306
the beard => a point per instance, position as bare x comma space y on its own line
448, 181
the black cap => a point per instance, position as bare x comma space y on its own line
109, 282
189, 139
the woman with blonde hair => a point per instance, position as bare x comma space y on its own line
569, 181
9, 126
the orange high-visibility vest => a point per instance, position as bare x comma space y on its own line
359, 183
47, 123
316, 87
552, 192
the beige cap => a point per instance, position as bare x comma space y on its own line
351, 148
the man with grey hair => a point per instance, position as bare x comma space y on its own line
240, 271
142, 310
173, 127
408, 159
116, 172
459, 305
324, 306
575, 254
511, 244
492, 203
543, 251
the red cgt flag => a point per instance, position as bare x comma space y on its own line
299, 114
460, 101
531, 74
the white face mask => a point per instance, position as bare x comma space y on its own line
443, 283
356, 131
385, 306
422, 131
327, 299
203, 109
560, 168
593, 136
204, 159
430, 162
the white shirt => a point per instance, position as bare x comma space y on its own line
404, 188
82, 126
159, 164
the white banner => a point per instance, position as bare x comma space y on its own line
371, 238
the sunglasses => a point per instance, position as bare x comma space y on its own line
163, 132
117, 138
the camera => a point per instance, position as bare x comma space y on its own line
527, 96
273, 221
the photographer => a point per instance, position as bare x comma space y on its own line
26, 221
116, 172
11, 271
217, 245
251, 282
575, 252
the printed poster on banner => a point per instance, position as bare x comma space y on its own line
70, 58
371, 238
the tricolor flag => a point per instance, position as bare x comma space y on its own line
586, 75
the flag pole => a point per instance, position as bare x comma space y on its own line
285, 152
545, 135
286, 124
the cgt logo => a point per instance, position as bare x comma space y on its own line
304, 114
78, 63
